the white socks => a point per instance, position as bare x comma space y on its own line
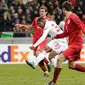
54, 61
39, 58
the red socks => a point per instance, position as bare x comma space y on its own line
42, 66
80, 68
45, 60
57, 71
56, 74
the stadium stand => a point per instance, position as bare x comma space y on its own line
24, 11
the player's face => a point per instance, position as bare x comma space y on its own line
42, 13
41, 24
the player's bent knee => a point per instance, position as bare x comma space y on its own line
71, 66
38, 52
50, 57
61, 58
47, 49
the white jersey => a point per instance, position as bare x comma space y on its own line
52, 29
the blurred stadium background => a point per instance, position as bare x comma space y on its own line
24, 11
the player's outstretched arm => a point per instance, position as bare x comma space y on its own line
25, 26
42, 38
76, 20
62, 35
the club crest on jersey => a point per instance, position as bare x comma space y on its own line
68, 21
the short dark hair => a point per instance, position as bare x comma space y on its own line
67, 5
41, 19
44, 7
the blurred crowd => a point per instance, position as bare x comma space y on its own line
24, 11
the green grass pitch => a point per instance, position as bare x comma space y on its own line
21, 74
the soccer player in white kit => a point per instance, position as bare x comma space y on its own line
55, 46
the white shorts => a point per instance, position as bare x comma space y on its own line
57, 46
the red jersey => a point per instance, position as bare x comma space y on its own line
37, 30
73, 29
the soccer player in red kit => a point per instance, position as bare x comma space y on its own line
73, 30
36, 35
38, 31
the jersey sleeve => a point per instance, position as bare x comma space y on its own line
64, 34
78, 23
44, 35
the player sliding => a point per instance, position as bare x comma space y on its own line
55, 46
73, 29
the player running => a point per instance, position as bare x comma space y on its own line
73, 29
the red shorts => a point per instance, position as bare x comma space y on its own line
41, 46
72, 53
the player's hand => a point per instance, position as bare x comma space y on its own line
18, 25
32, 47
53, 37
